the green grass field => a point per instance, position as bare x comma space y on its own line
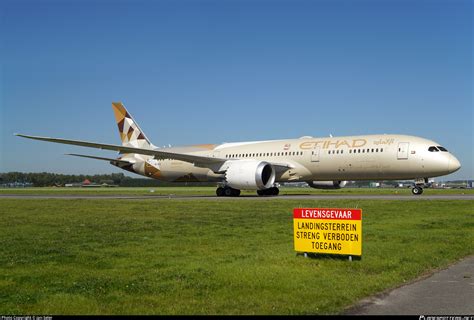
211, 257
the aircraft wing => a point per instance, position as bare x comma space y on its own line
200, 161
156, 153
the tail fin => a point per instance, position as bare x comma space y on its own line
130, 132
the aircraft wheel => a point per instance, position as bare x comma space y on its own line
276, 191
228, 192
220, 192
231, 192
273, 191
417, 190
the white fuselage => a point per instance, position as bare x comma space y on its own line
369, 157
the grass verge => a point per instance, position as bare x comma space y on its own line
208, 257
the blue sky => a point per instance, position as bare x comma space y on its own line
222, 71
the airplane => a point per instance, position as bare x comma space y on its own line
323, 163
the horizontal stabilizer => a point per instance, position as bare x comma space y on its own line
99, 158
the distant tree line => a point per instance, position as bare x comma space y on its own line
47, 179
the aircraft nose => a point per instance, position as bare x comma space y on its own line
453, 164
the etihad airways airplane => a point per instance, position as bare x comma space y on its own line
324, 163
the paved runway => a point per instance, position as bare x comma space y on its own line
247, 197
448, 292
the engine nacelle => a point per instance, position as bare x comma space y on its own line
327, 184
250, 174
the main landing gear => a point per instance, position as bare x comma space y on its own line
227, 192
273, 191
231, 192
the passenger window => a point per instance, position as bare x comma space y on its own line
372, 150
342, 151
377, 150
381, 149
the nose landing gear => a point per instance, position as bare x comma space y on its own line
419, 184
416, 190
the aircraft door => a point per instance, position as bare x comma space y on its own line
315, 154
402, 152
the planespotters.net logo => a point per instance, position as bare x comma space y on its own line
422, 317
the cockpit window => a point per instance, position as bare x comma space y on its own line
442, 149
433, 149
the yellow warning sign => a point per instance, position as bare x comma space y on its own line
328, 230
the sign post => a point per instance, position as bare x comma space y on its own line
328, 231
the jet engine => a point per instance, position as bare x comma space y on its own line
327, 184
250, 174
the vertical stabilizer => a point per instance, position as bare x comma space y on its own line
130, 133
